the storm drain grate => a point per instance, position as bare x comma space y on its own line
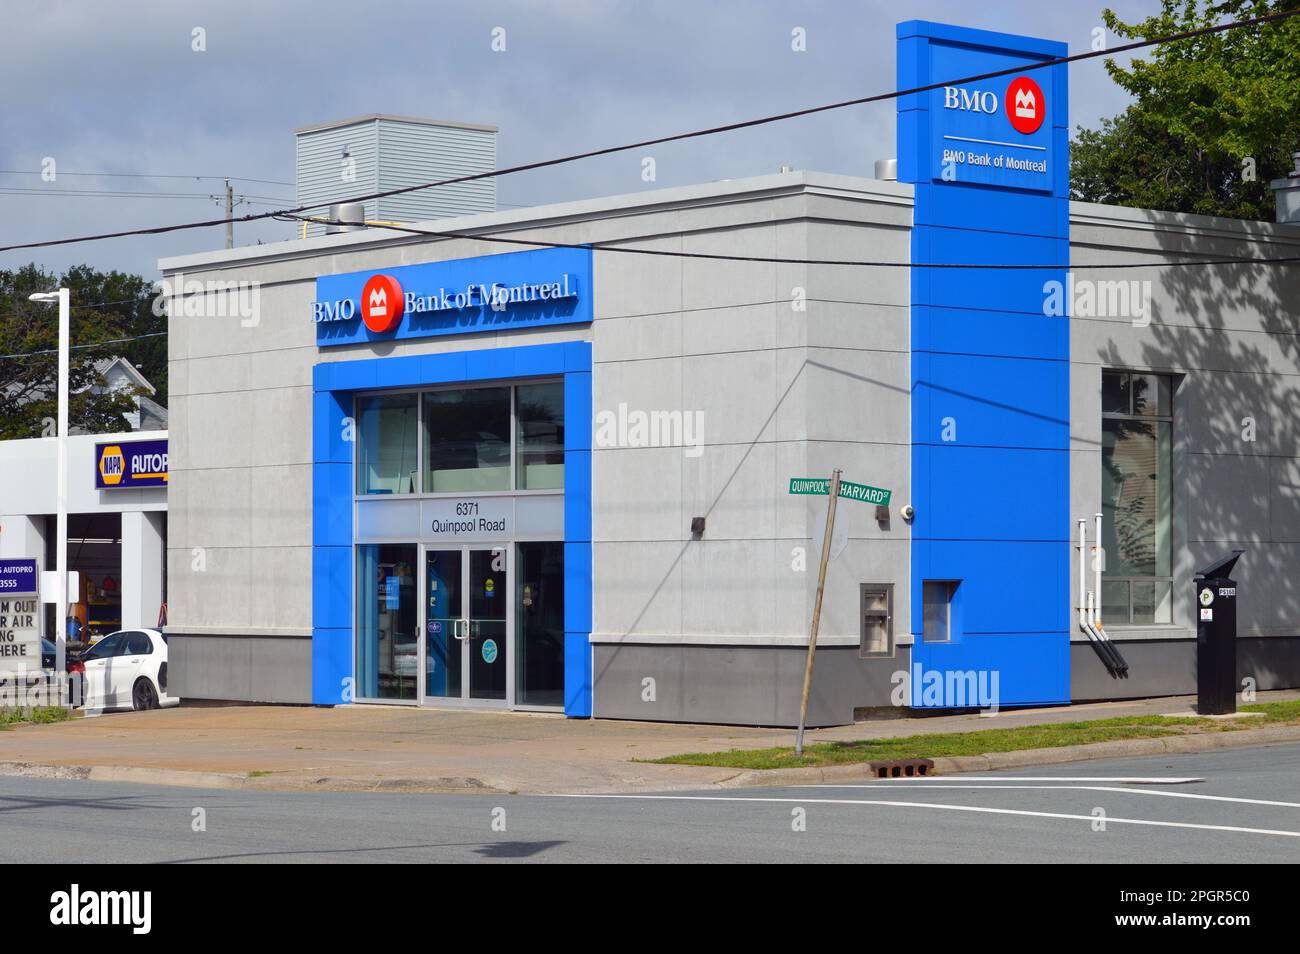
902, 768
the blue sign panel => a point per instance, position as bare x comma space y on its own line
130, 464
549, 286
991, 132
17, 578
989, 163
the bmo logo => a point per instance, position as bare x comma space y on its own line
970, 100
382, 303
1025, 105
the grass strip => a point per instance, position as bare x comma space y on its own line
39, 715
987, 741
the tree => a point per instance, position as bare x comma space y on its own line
1214, 118
107, 307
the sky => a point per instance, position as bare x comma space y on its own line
119, 88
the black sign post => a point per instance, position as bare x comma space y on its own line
1216, 638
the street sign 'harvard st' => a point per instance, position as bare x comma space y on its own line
821, 486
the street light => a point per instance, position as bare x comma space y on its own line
62, 296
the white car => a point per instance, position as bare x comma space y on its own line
127, 670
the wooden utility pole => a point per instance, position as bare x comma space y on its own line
230, 215
817, 610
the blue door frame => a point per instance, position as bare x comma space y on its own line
334, 384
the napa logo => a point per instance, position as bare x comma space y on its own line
112, 465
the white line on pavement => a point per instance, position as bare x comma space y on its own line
1091, 788
935, 779
939, 807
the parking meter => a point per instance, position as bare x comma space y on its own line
1216, 637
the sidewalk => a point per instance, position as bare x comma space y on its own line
378, 747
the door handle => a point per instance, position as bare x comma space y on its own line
462, 628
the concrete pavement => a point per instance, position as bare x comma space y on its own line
382, 747
1235, 806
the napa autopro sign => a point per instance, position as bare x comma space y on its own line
126, 465
464, 296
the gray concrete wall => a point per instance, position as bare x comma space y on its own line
1229, 335
793, 371
743, 685
261, 669
1162, 667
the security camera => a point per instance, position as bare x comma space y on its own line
907, 511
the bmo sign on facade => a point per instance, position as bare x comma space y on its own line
464, 296
994, 132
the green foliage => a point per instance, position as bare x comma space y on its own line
1214, 118
29, 331
36, 715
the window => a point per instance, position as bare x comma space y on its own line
936, 597
1136, 498
539, 417
539, 624
467, 440
106, 648
138, 644
386, 444
471, 440
387, 660
876, 601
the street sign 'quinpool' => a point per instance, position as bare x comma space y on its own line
821, 486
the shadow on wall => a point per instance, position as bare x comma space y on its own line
1237, 417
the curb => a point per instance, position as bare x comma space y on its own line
185, 778
861, 771
466, 785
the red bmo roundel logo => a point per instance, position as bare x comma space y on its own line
1026, 107
382, 303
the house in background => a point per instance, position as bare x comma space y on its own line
118, 374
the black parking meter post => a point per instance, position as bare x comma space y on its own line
1216, 638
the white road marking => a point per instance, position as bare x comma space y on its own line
1110, 819
1091, 788
1158, 780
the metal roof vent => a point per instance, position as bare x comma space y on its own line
346, 217
887, 169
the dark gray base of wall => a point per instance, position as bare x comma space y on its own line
1167, 667
738, 685
239, 668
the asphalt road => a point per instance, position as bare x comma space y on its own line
1241, 807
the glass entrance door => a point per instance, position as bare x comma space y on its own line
466, 619
444, 609
488, 597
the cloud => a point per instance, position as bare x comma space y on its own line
117, 87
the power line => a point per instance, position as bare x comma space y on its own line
772, 260
95, 344
142, 175
677, 137
118, 193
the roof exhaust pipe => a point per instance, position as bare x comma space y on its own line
346, 217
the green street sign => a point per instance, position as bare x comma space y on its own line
821, 486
